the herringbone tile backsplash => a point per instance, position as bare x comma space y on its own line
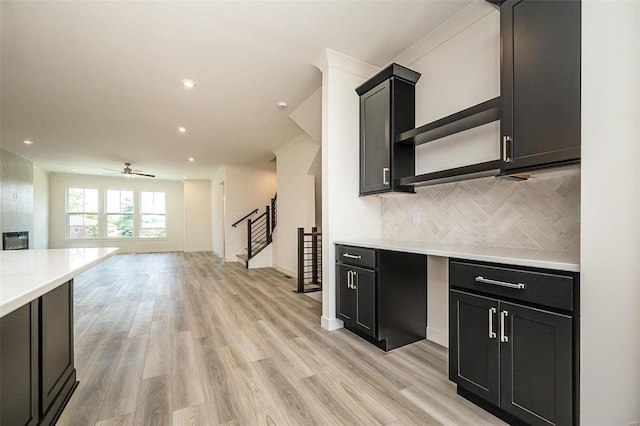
541, 213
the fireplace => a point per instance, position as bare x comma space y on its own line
15, 240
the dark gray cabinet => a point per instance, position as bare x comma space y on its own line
540, 83
37, 359
382, 295
19, 395
387, 108
507, 350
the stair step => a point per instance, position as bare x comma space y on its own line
242, 256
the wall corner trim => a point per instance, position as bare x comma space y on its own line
329, 58
331, 323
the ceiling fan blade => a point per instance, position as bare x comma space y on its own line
112, 170
143, 174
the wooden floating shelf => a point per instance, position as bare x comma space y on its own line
477, 115
473, 171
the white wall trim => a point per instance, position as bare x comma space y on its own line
330, 58
438, 336
286, 271
331, 323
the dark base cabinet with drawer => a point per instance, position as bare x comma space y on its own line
382, 295
513, 340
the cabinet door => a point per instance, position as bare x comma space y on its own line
540, 82
346, 296
473, 344
19, 366
56, 319
375, 133
364, 287
536, 365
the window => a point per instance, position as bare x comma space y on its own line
119, 213
82, 212
152, 215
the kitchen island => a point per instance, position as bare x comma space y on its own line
37, 371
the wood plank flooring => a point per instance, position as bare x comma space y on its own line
186, 339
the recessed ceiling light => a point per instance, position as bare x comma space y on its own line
192, 159
28, 142
182, 129
189, 84
184, 177
282, 105
73, 169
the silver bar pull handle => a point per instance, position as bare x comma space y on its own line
354, 280
385, 177
506, 139
492, 334
503, 335
351, 256
348, 279
481, 279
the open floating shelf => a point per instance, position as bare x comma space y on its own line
477, 115
473, 171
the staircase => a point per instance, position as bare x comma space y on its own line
257, 254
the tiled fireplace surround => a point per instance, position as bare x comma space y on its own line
541, 213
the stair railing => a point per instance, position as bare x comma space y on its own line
309, 260
258, 233
235, 224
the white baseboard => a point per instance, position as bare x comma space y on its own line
215, 253
438, 336
331, 323
286, 271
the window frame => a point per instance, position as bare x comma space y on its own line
68, 214
107, 214
141, 213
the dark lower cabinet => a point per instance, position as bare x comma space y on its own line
37, 359
518, 359
381, 295
19, 395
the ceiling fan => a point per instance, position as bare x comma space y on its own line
129, 172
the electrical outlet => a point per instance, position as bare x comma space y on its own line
416, 217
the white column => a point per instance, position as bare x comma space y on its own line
344, 214
610, 213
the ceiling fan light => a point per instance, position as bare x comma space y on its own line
189, 84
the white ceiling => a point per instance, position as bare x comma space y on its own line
95, 84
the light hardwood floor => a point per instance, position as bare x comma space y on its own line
183, 338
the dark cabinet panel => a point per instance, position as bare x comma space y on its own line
540, 83
364, 286
538, 354
473, 344
19, 366
56, 309
374, 133
346, 302
387, 108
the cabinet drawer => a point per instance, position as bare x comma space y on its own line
547, 288
356, 256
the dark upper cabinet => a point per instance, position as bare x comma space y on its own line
387, 108
540, 84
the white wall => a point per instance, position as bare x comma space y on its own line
217, 211
40, 209
296, 200
610, 279
197, 215
58, 182
246, 188
344, 213
460, 66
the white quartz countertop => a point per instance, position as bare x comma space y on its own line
26, 275
548, 259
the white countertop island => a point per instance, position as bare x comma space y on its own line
26, 275
547, 259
